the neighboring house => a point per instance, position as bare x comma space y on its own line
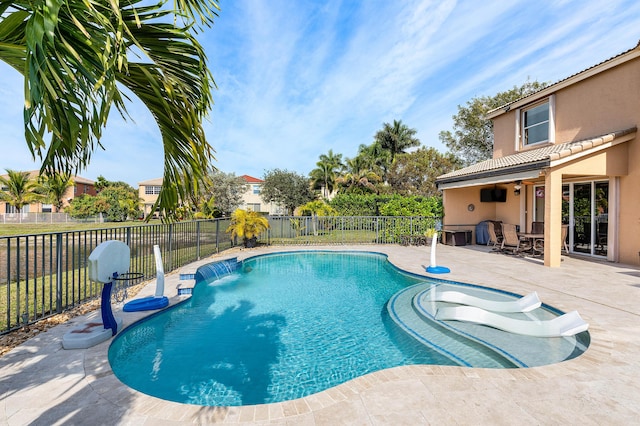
251, 198
148, 192
80, 186
568, 154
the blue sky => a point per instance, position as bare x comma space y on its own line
297, 78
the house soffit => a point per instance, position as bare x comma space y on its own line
531, 163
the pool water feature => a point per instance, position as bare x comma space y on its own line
276, 328
216, 270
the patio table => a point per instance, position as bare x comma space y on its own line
536, 240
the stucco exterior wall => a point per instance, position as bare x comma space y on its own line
504, 135
605, 102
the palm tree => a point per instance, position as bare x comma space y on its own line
247, 224
19, 190
325, 174
75, 55
359, 178
377, 159
55, 187
396, 138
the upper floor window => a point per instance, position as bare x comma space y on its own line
256, 189
152, 190
537, 123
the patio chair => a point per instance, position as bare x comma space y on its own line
537, 227
511, 243
494, 240
565, 232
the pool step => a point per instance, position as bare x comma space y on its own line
460, 349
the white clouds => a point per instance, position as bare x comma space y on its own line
299, 78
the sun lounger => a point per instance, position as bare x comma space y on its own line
568, 324
524, 304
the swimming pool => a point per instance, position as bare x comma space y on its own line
281, 327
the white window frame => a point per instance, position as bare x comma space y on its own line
520, 130
152, 190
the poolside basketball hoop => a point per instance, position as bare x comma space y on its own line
107, 263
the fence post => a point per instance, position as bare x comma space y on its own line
58, 272
171, 246
218, 235
129, 236
198, 240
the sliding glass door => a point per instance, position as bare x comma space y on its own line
589, 217
585, 210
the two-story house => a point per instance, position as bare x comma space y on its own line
251, 199
566, 155
80, 186
148, 192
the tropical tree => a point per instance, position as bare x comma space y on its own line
472, 136
375, 158
316, 208
326, 172
248, 225
54, 187
415, 173
226, 190
117, 201
286, 188
396, 138
83, 206
76, 57
18, 189
358, 177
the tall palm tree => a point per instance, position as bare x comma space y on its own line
396, 138
326, 171
54, 188
75, 55
18, 189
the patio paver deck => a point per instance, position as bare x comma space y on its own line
42, 384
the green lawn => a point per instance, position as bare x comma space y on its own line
7, 230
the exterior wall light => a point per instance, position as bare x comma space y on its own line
517, 187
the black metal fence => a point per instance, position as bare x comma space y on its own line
44, 274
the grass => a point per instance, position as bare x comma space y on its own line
12, 229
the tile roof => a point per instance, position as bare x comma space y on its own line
251, 179
151, 182
535, 158
34, 174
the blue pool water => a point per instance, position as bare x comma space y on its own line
278, 328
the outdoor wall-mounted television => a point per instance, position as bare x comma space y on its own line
493, 195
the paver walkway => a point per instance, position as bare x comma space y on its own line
42, 384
